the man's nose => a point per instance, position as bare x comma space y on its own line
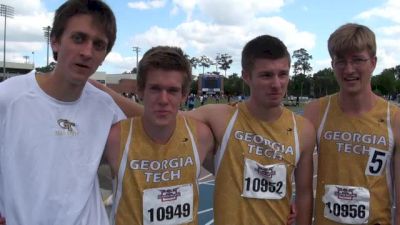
163, 96
87, 49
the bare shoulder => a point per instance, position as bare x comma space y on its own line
396, 126
207, 111
215, 116
113, 144
312, 112
307, 134
205, 139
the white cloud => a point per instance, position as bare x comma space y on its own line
390, 11
390, 30
283, 29
144, 5
159, 36
388, 53
24, 7
119, 63
187, 6
321, 64
388, 37
24, 32
229, 12
200, 38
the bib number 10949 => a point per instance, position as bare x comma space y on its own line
169, 212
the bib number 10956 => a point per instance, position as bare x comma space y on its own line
169, 212
343, 210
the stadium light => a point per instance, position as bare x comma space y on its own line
6, 11
137, 50
47, 31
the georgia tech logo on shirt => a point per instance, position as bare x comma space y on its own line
265, 172
345, 193
169, 194
68, 128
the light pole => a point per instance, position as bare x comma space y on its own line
26, 57
6, 11
137, 50
33, 59
47, 31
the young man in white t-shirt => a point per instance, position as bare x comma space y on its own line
54, 126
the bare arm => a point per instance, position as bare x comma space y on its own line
129, 107
215, 116
312, 112
112, 148
304, 175
206, 146
2, 220
292, 215
396, 131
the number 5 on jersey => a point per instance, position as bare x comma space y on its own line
376, 161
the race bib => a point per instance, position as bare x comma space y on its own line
346, 204
376, 161
264, 181
168, 205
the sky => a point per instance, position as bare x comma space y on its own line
210, 27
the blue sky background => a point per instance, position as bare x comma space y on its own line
208, 27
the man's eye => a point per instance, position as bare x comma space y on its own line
99, 45
266, 75
173, 90
155, 88
358, 60
340, 63
77, 38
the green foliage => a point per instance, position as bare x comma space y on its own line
46, 69
386, 82
324, 83
194, 61
204, 61
300, 85
301, 65
234, 85
224, 61
194, 86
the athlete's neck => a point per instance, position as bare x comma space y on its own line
159, 134
356, 104
55, 86
266, 114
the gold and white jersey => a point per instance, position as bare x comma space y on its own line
254, 169
157, 184
354, 183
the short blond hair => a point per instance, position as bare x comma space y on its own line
165, 58
351, 37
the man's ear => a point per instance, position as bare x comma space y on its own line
246, 76
184, 96
140, 94
54, 44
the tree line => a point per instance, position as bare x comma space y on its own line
302, 83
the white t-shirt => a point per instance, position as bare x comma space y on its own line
50, 152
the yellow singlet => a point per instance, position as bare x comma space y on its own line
354, 183
157, 184
255, 165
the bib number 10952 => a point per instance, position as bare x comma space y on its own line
263, 185
263, 181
